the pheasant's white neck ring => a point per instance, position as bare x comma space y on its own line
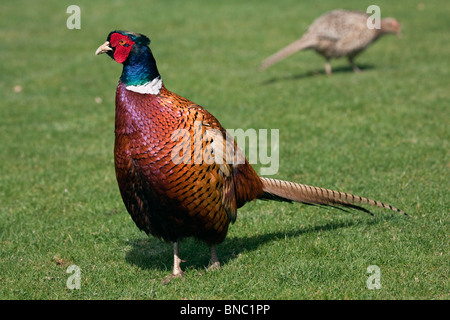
151, 87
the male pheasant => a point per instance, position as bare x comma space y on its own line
179, 172
337, 34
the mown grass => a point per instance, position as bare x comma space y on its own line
383, 134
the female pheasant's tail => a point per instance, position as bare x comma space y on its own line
289, 191
300, 44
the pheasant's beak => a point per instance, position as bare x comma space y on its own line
103, 48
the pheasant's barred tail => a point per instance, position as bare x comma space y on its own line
295, 46
290, 191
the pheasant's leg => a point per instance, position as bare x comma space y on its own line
215, 263
354, 66
176, 261
328, 67
177, 272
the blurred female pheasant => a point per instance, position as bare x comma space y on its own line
335, 34
197, 194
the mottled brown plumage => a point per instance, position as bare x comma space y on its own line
337, 34
179, 172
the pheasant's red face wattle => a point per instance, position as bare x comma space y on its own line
122, 45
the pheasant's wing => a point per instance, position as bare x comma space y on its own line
240, 181
326, 27
218, 150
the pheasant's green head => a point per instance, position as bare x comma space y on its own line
132, 50
120, 44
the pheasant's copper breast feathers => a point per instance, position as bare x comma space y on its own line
192, 195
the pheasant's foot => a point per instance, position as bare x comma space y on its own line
172, 276
354, 66
356, 69
214, 265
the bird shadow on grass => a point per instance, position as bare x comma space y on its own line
309, 74
151, 253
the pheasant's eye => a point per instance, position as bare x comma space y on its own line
122, 42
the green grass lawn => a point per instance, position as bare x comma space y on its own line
383, 134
